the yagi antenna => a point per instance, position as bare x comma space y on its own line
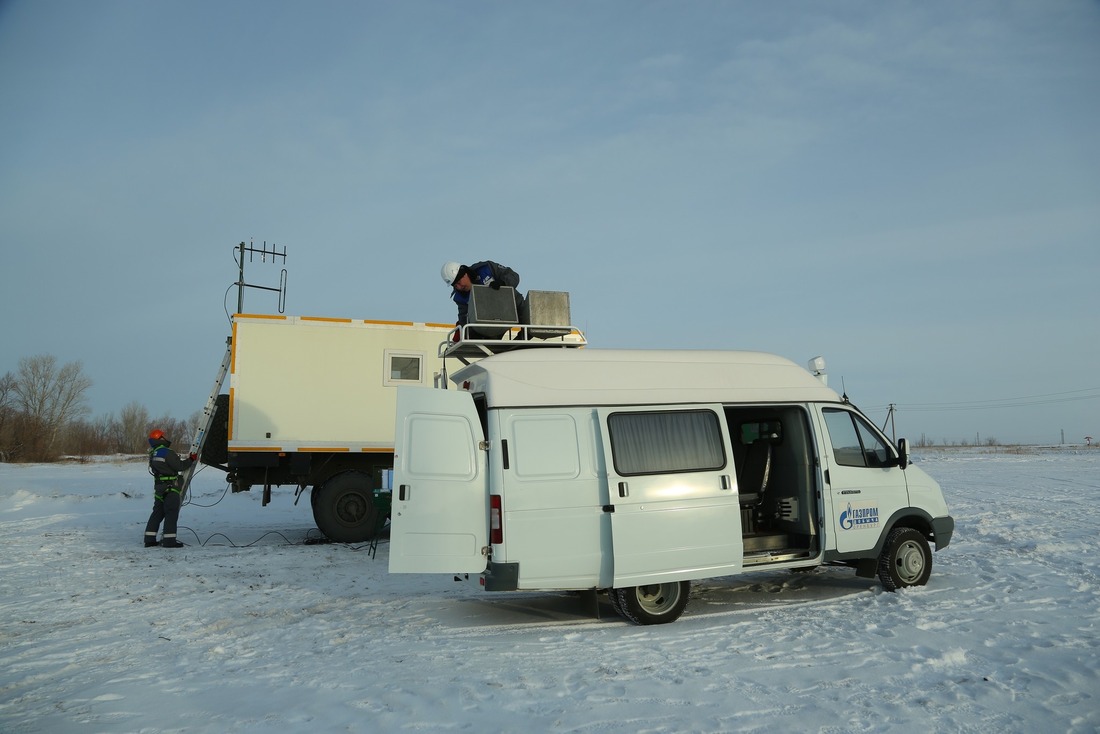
264, 253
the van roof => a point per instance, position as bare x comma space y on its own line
534, 377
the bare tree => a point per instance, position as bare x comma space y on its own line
7, 414
178, 431
194, 423
84, 439
133, 426
49, 398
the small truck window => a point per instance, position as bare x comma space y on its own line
403, 368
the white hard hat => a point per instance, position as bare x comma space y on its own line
450, 272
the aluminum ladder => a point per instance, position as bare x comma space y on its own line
207, 417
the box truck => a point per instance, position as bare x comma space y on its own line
311, 400
311, 404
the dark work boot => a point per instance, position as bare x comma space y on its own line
170, 543
151, 540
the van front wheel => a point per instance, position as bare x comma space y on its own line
652, 603
906, 560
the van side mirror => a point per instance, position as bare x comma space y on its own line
903, 453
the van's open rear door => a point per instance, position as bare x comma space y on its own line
439, 518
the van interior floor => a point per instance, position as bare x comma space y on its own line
757, 542
763, 548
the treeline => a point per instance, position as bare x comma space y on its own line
44, 416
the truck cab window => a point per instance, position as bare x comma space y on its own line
854, 442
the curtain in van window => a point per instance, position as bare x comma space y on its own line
656, 443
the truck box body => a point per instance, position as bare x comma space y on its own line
320, 384
311, 404
639, 471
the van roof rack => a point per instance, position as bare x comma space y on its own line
476, 341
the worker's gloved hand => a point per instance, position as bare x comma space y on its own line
457, 335
494, 284
193, 457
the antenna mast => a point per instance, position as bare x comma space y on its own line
264, 253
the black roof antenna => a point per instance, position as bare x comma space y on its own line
264, 253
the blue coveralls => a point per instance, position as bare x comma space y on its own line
165, 466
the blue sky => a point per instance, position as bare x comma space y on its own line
910, 189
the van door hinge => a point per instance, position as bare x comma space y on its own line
609, 508
483, 445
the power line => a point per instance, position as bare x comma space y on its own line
1068, 396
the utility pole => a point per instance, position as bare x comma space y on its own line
890, 420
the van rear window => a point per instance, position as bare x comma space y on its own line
664, 442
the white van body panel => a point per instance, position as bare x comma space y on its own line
925, 492
439, 511
554, 498
542, 377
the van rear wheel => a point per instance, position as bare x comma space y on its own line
652, 603
906, 560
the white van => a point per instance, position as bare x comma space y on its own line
636, 472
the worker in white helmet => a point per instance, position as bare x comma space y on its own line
461, 278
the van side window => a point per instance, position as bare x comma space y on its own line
854, 442
660, 443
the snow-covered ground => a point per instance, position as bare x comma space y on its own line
251, 630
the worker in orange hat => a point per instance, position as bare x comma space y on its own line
166, 466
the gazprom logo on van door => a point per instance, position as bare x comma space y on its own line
859, 517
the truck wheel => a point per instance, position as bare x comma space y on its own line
343, 508
906, 560
652, 603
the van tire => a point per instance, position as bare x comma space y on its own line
343, 508
614, 599
906, 560
652, 603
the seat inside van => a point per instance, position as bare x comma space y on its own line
754, 469
774, 458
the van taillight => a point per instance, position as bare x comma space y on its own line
496, 522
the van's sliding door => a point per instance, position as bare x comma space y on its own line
674, 510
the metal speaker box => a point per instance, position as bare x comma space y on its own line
547, 308
488, 306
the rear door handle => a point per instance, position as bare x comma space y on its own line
623, 490
403, 492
